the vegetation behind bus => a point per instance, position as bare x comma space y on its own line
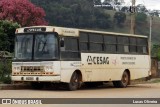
7, 35
5, 70
82, 14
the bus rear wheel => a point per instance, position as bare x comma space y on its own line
74, 82
123, 82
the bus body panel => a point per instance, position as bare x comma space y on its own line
111, 66
34, 78
138, 73
67, 69
43, 70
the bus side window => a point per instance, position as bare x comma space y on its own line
123, 44
133, 45
95, 42
84, 45
71, 49
110, 43
142, 45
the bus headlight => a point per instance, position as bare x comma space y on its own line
48, 68
16, 69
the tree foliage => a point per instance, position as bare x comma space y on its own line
125, 9
97, 2
156, 51
141, 8
75, 13
141, 18
22, 11
119, 18
7, 35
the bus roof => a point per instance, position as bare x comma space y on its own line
63, 31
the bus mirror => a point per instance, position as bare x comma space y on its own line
62, 42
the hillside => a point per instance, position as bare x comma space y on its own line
142, 29
82, 14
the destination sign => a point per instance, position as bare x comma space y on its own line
36, 29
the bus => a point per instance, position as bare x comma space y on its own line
50, 54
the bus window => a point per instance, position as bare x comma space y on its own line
95, 47
83, 37
84, 46
110, 44
23, 46
95, 42
123, 44
71, 44
46, 46
142, 45
84, 42
133, 45
71, 48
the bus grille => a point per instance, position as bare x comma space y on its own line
32, 68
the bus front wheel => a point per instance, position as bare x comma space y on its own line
123, 82
74, 82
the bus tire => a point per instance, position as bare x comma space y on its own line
37, 85
74, 82
123, 82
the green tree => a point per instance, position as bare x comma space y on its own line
141, 18
7, 35
156, 51
75, 13
119, 18
97, 2
125, 9
141, 8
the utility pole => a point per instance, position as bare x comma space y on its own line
150, 33
132, 31
150, 42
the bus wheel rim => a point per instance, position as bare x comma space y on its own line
125, 79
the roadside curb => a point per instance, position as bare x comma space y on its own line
145, 81
13, 86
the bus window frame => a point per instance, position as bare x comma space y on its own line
72, 51
116, 44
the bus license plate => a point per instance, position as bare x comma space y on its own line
29, 78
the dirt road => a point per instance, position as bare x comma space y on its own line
134, 91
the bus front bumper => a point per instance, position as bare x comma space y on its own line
36, 78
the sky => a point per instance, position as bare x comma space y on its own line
150, 4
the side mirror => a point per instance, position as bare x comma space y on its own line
62, 42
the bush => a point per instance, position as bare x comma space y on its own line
119, 18
5, 71
6, 80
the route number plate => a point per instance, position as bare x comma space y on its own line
29, 78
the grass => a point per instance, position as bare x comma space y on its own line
145, 81
156, 80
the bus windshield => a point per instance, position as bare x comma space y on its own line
45, 46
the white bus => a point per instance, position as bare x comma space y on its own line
75, 56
